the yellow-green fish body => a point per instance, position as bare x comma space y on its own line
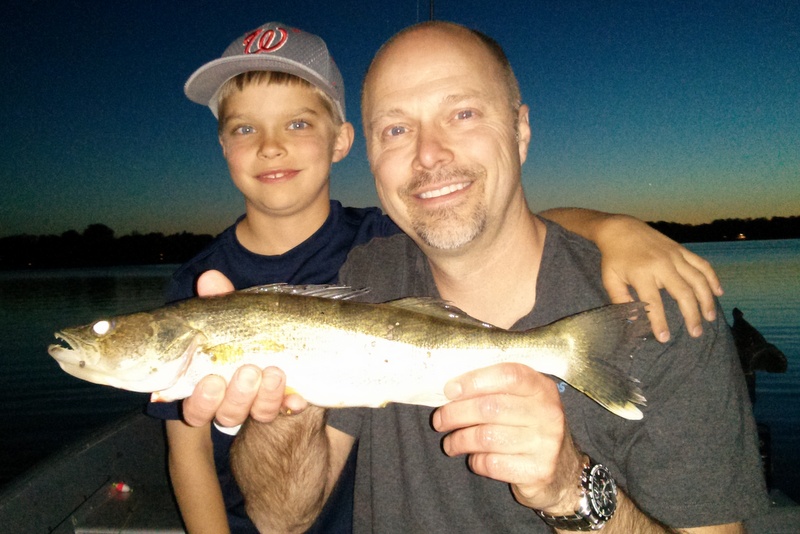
340, 353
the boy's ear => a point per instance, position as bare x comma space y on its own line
343, 142
224, 155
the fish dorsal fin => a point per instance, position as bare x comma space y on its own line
327, 291
436, 308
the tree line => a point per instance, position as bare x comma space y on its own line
98, 246
732, 229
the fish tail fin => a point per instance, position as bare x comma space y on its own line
603, 341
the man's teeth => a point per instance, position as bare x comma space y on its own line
446, 190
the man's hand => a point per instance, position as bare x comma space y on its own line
251, 393
508, 418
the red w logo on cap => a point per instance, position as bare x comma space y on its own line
264, 41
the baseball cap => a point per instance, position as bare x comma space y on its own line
272, 46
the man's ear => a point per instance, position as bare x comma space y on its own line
344, 140
523, 132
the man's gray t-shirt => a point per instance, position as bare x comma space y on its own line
692, 460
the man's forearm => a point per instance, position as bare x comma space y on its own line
282, 469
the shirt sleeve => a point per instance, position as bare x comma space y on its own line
164, 410
694, 461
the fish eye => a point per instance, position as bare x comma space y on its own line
101, 328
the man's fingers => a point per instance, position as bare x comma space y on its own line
501, 394
502, 378
213, 283
199, 409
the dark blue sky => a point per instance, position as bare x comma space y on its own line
669, 110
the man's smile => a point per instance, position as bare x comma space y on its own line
442, 191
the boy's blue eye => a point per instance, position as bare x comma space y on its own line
298, 125
244, 130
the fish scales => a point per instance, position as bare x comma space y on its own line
338, 352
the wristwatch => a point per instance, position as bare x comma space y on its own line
596, 506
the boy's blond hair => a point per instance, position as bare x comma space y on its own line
255, 77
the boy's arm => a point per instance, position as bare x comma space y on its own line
194, 478
635, 255
287, 469
259, 453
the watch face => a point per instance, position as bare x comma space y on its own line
602, 492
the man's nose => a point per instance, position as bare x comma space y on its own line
433, 148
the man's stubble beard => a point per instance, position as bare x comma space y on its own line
451, 227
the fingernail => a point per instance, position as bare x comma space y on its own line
248, 377
452, 390
212, 388
436, 420
271, 382
711, 316
663, 336
697, 332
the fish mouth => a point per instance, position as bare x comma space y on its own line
77, 357
72, 360
65, 351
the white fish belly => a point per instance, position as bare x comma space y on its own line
350, 370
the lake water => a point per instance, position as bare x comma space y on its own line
43, 408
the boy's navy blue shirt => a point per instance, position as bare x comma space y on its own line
315, 261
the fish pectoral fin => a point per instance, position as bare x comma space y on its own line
187, 342
436, 308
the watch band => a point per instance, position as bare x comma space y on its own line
587, 517
569, 522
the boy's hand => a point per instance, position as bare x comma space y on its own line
635, 255
252, 392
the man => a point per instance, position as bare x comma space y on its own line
446, 138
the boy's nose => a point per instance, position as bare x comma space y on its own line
270, 147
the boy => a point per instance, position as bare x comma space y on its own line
279, 100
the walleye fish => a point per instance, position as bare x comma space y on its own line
340, 353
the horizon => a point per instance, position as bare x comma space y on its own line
137, 232
669, 112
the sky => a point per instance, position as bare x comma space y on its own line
667, 110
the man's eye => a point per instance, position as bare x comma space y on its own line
394, 131
465, 114
298, 125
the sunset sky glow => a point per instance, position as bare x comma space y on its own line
679, 111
